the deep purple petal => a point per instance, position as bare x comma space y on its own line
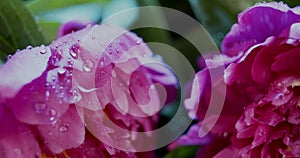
70, 27
256, 24
191, 138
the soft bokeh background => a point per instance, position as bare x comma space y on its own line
36, 22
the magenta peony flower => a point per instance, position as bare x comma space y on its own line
269, 126
62, 99
261, 109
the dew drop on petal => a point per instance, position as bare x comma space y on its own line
138, 41
101, 63
52, 112
9, 57
77, 97
29, 47
47, 93
74, 50
93, 37
87, 66
43, 51
61, 70
73, 54
63, 128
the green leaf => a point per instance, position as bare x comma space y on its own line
184, 151
49, 29
217, 16
42, 6
5, 47
291, 3
18, 28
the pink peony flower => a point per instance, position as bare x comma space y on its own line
62, 99
261, 108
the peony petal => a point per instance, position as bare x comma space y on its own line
68, 132
38, 102
15, 72
16, 139
261, 135
70, 27
230, 151
287, 61
294, 116
246, 132
191, 138
256, 24
198, 93
295, 148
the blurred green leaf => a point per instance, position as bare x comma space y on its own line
18, 28
291, 3
217, 16
184, 151
155, 16
42, 6
49, 29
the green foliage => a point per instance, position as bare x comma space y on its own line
217, 16
49, 29
183, 152
18, 28
42, 6
291, 3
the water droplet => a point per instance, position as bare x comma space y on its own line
39, 107
52, 112
76, 96
9, 57
43, 51
73, 54
110, 52
101, 63
61, 70
29, 47
93, 37
47, 94
138, 41
63, 128
87, 66
47, 84
53, 79
74, 50
70, 62
118, 50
